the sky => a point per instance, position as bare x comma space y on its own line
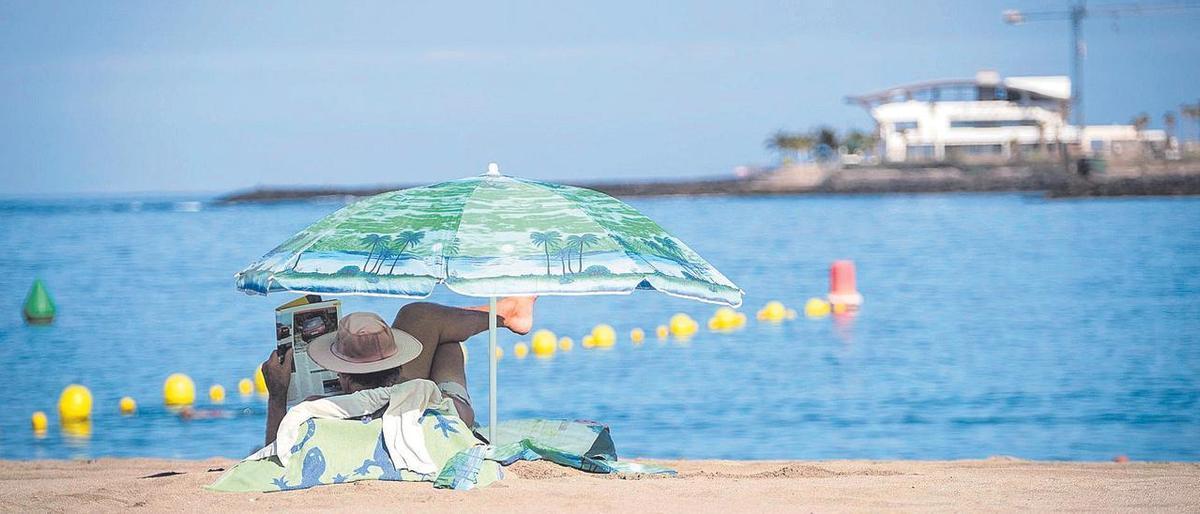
119, 97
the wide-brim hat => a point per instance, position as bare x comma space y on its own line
363, 343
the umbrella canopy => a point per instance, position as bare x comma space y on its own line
487, 236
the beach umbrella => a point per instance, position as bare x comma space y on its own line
487, 236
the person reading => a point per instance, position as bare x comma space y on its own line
421, 343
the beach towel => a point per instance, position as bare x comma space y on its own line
402, 435
339, 451
334, 451
580, 444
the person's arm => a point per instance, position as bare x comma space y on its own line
277, 370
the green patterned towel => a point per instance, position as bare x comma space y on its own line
338, 451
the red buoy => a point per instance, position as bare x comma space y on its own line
843, 289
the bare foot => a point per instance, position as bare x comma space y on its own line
516, 312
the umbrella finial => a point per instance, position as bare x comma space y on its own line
493, 170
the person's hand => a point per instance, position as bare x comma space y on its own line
277, 371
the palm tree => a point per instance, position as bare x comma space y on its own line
1193, 112
826, 142
1140, 122
780, 142
296, 262
826, 136
580, 242
564, 259
406, 239
449, 249
669, 245
626, 244
858, 141
1169, 124
548, 241
385, 252
853, 141
667, 248
789, 144
372, 240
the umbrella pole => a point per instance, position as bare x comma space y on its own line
492, 370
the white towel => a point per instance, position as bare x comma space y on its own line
402, 433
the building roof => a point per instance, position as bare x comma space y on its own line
1050, 87
1054, 86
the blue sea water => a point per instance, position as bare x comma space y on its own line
993, 324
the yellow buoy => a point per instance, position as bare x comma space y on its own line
588, 341
127, 406
39, 421
544, 343
661, 331
260, 382
816, 308
499, 352
637, 335
726, 319
773, 311
216, 393
521, 350
728, 316
603, 335
79, 429
245, 387
74, 404
565, 344
178, 389
683, 325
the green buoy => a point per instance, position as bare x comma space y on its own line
39, 308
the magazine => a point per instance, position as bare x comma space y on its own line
296, 324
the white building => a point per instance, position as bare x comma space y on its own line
988, 118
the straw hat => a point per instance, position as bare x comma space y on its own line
363, 343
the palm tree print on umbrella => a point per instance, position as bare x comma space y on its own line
406, 239
580, 242
548, 241
564, 259
373, 241
385, 253
450, 249
667, 248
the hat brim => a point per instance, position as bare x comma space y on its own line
320, 350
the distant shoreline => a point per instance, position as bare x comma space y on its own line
1156, 179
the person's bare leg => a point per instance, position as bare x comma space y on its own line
434, 325
513, 312
449, 366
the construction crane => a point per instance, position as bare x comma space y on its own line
1077, 12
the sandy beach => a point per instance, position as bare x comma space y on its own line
997, 484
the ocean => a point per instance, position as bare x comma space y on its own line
1001, 324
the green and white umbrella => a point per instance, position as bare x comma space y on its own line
487, 236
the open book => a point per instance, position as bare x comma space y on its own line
296, 323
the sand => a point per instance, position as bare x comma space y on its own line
702, 486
